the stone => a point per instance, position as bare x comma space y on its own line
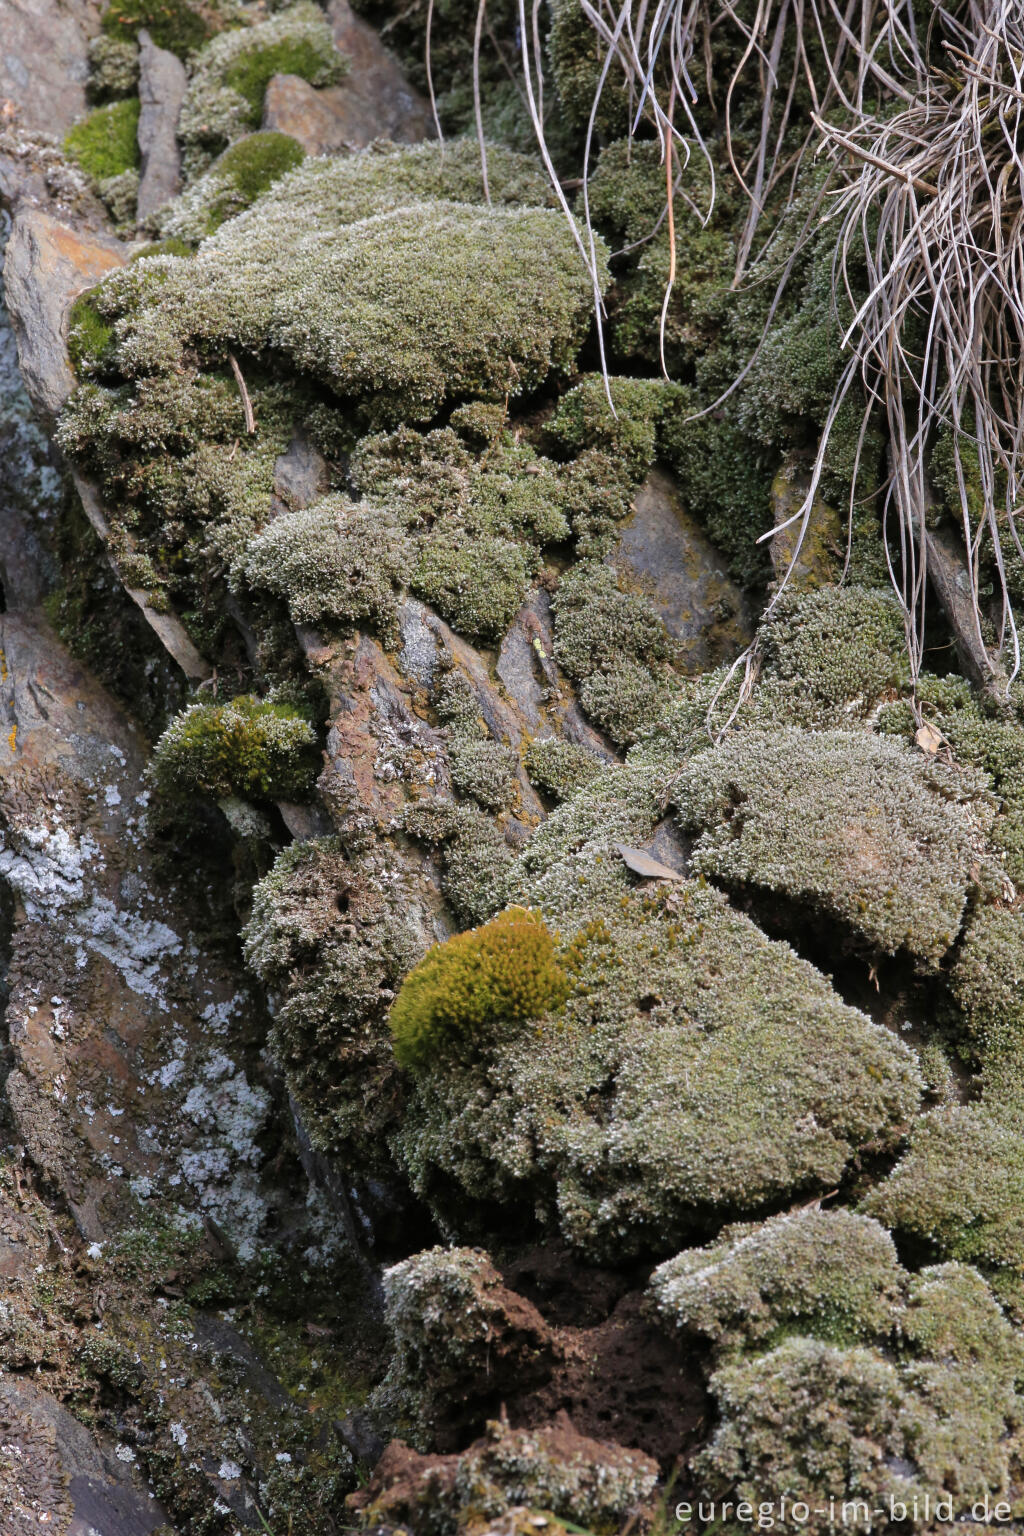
44, 61
810, 555
162, 86
663, 552
301, 475
46, 266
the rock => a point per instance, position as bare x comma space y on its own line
301, 475
162, 86
822, 543
44, 61
379, 102
46, 266
663, 552
97, 1490
375, 101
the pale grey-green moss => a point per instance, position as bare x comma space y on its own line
987, 979
584, 418
484, 770
560, 768
478, 863
814, 1422
832, 1274
333, 563
697, 1066
832, 655
454, 1341
959, 1187
331, 943
396, 312
230, 74
611, 642
113, 67
233, 183
853, 825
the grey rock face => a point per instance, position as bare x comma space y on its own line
162, 85
47, 264
44, 59
664, 554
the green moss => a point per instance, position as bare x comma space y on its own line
250, 747
697, 1068
834, 654
814, 1423
105, 143
959, 1188
610, 641
331, 942
560, 768
829, 1273
584, 418
333, 563
89, 336
169, 247
987, 980
230, 75
397, 312
234, 181
172, 24
477, 584
856, 827
468, 991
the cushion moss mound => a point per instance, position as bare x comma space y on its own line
172, 24
250, 747
398, 311
462, 994
697, 1070
853, 825
105, 142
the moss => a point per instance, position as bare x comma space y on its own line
584, 418
723, 481
172, 24
113, 68
169, 247
331, 942
834, 654
697, 1067
854, 826
467, 992
249, 747
560, 768
814, 1423
484, 770
477, 584
599, 1487
828, 1273
333, 563
610, 640
959, 1188
235, 180
120, 195
105, 143
987, 980
455, 1342
396, 312
231, 73
478, 868
89, 336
